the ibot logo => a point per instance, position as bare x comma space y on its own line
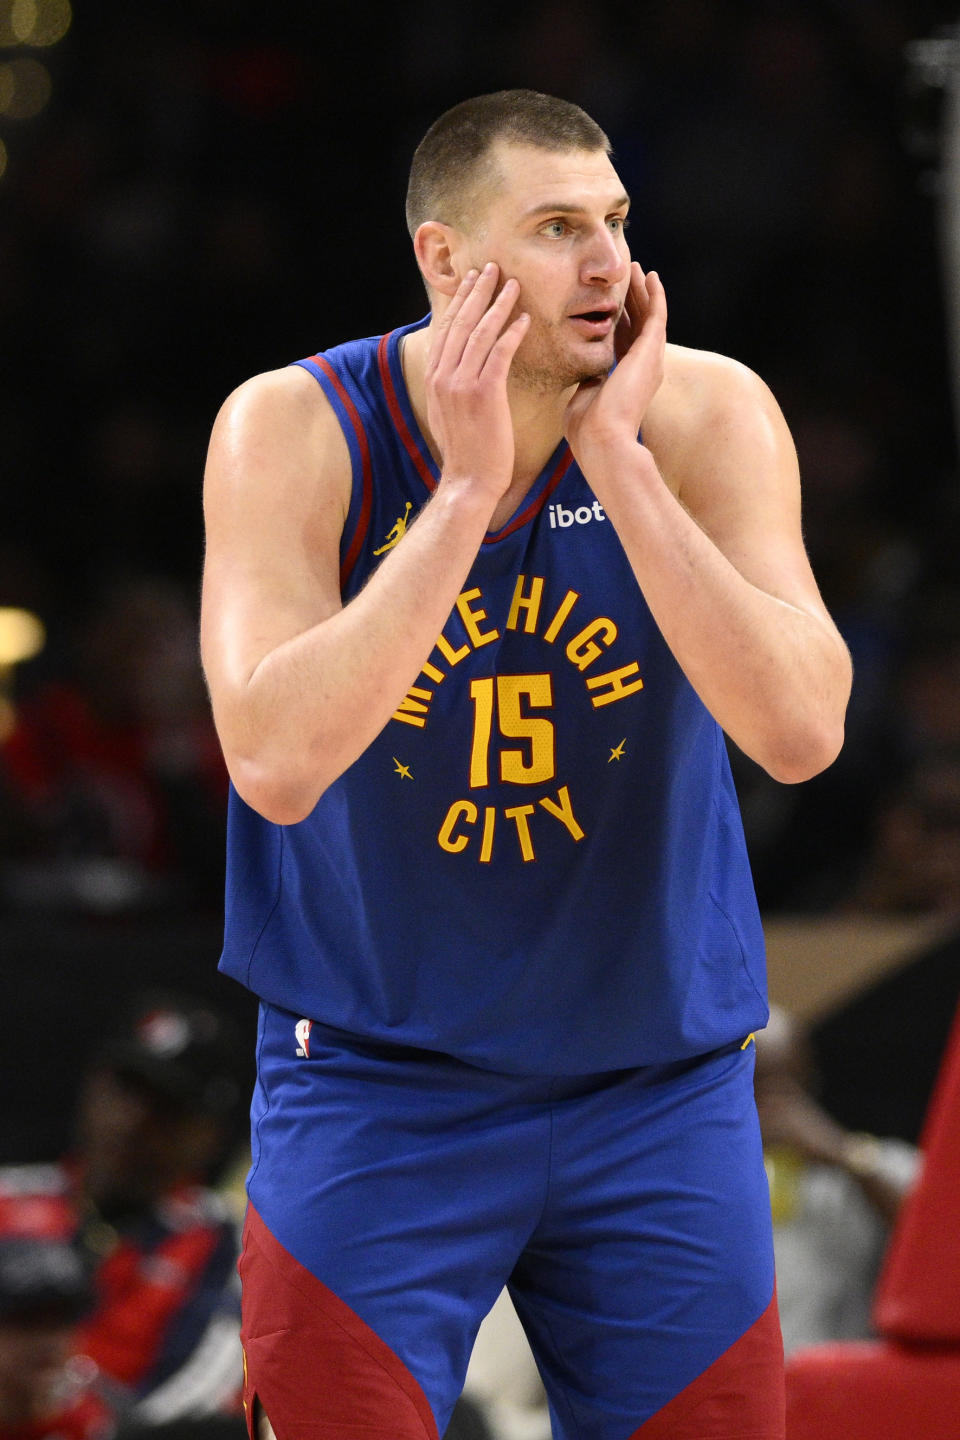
561, 519
302, 1032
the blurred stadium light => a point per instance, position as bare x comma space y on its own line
25, 81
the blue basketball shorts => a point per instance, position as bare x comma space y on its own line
393, 1193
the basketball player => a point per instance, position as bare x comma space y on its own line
478, 604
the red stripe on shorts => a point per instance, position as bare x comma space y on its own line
316, 1368
739, 1397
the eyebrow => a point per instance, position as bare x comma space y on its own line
564, 208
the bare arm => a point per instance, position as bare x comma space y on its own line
708, 511
789, 1115
300, 683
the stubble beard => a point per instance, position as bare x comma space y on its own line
541, 367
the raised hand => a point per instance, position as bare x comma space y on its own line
612, 409
466, 381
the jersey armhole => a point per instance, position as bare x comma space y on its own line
361, 481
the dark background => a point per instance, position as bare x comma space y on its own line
216, 188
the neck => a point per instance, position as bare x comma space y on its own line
537, 416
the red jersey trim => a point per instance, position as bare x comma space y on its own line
398, 417
538, 502
426, 474
366, 504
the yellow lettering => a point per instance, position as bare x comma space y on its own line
563, 811
481, 693
520, 814
459, 810
615, 680
529, 603
432, 673
556, 624
582, 651
448, 652
515, 769
411, 711
472, 618
486, 844
463, 825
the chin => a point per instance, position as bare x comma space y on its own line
598, 370
559, 370
598, 354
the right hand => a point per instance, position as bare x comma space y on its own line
466, 380
603, 410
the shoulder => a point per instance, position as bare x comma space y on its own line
277, 436
274, 398
710, 405
701, 389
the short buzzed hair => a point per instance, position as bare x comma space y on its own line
452, 161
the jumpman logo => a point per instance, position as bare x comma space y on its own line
397, 532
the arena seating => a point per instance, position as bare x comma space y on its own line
905, 1384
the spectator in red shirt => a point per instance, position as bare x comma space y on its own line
46, 1388
113, 791
155, 1120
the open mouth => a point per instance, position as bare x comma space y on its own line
595, 323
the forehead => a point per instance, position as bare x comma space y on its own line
528, 178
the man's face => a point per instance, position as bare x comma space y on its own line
134, 1146
555, 223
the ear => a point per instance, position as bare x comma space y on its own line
441, 253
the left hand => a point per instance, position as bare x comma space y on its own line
613, 408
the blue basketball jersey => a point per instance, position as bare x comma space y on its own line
538, 866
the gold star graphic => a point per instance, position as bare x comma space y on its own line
618, 753
402, 770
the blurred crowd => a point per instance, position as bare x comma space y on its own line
119, 1293
119, 1299
216, 189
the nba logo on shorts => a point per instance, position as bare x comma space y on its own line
302, 1031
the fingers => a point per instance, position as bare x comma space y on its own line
481, 318
473, 324
501, 355
637, 284
645, 297
636, 302
450, 314
634, 309
644, 313
656, 298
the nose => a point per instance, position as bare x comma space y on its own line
606, 260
